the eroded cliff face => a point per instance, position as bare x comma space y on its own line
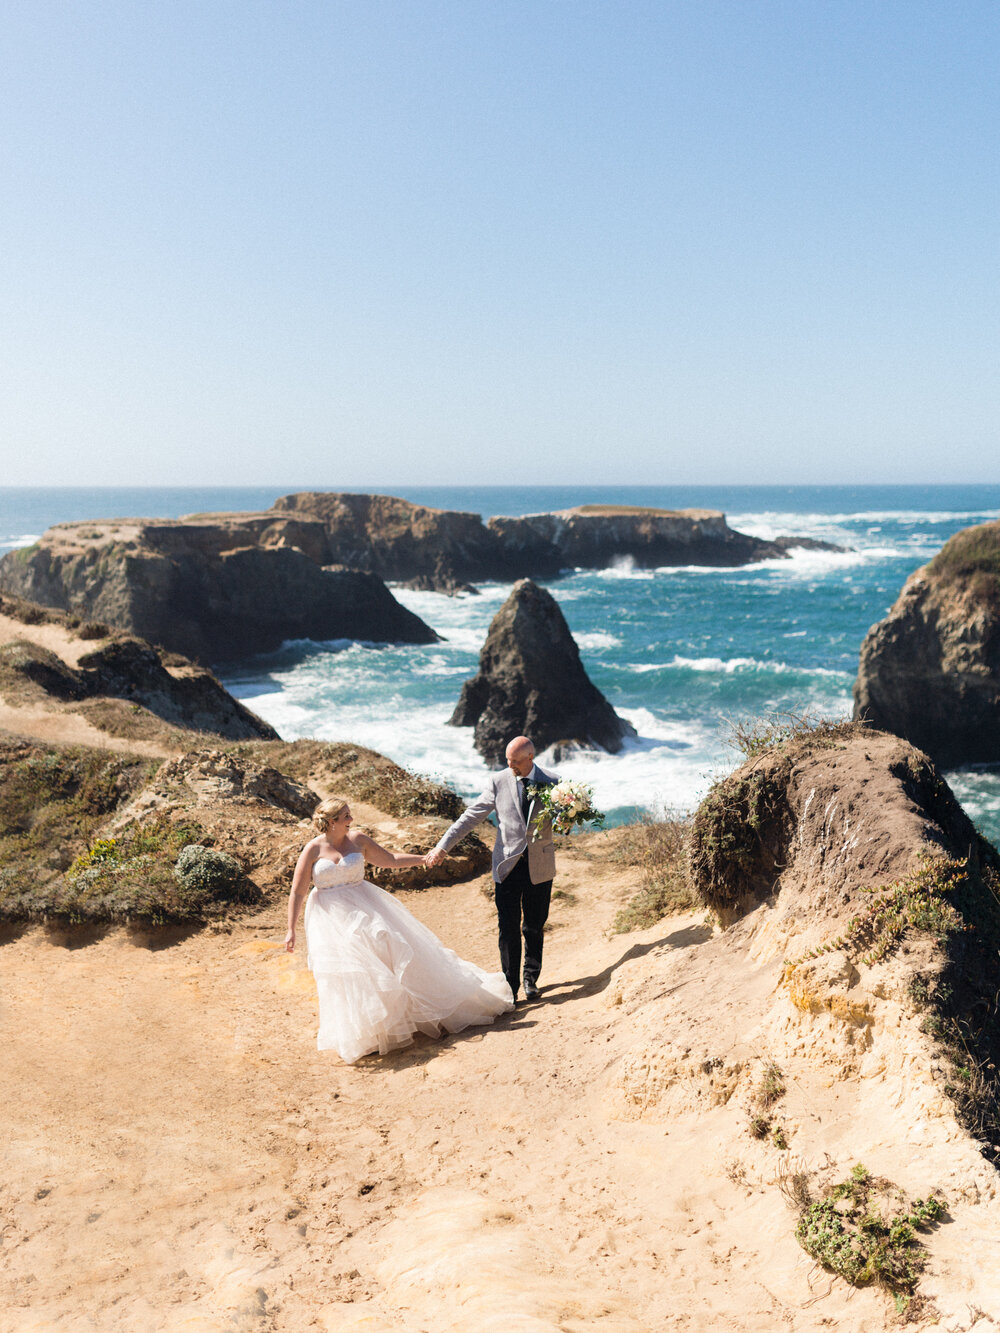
930, 672
204, 588
842, 856
531, 681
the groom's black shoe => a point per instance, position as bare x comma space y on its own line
531, 991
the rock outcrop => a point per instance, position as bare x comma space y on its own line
930, 672
843, 854
448, 551
182, 695
221, 586
94, 836
531, 681
204, 588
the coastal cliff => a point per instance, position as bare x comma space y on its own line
202, 587
736, 1074
930, 672
446, 551
841, 855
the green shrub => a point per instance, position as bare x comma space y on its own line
853, 1231
207, 873
51, 800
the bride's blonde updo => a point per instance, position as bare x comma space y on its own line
332, 808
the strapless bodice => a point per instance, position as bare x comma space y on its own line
329, 874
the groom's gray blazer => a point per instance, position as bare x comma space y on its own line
500, 794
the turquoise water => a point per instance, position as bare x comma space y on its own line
679, 652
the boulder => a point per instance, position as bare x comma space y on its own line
531, 681
930, 672
201, 589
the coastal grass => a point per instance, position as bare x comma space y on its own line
55, 866
971, 557
658, 849
156, 873
758, 735
52, 800
31, 613
768, 1092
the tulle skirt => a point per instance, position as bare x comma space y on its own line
382, 975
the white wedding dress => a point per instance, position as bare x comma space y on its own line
381, 974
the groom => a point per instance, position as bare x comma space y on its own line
523, 868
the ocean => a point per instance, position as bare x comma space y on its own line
681, 653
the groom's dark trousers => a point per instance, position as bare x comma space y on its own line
521, 905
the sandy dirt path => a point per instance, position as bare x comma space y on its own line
180, 1157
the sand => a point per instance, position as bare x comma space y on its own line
181, 1157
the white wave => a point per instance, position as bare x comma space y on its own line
440, 666
13, 543
733, 665
622, 567
670, 766
786, 523
598, 638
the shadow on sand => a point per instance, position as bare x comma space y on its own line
425, 1049
582, 987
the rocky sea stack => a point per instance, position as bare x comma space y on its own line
531, 681
930, 672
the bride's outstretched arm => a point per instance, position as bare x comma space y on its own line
381, 856
300, 887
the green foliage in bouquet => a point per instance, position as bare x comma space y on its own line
566, 805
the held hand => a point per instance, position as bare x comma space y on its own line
433, 858
290, 942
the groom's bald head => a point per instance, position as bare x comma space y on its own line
520, 755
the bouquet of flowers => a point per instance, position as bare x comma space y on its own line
566, 804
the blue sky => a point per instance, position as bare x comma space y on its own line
321, 243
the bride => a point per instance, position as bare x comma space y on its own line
381, 975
